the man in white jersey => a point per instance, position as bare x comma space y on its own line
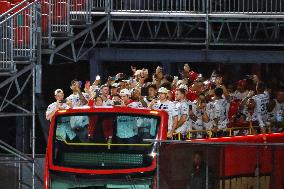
105, 96
127, 129
218, 112
279, 107
125, 95
261, 99
276, 112
183, 110
164, 104
58, 105
198, 117
77, 98
63, 129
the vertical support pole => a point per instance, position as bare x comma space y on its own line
207, 168
11, 42
19, 171
108, 10
49, 22
68, 18
207, 41
257, 169
109, 30
32, 29
158, 165
89, 7
33, 129
37, 48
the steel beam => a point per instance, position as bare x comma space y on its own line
177, 55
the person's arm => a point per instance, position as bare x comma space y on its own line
51, 114
245, 100
174, 113
51, 110
151, 104
260, 121
142, 101
184, 116
205, 117
182, 120
174, 127
81, 96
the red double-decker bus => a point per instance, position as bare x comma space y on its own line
103, 147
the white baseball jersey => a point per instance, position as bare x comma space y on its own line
63, 128
182, 109
135, 104
278, 111
218, 109
198, 124
75, 99
262, 101
53, 106
169, 107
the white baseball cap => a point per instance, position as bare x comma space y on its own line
58, 91
183, 86
115, 85
125, 92
163, 90
179, 82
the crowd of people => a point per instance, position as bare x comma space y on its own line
194, 104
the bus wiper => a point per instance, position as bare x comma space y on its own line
131, 181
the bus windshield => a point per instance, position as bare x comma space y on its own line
104, 140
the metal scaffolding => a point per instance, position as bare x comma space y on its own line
201, 23
18, 59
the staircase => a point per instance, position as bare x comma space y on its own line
18, 24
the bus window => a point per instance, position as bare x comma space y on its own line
104, 140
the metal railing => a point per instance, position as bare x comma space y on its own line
247, 6
17, 35
192, 6
62, 16
99, 5
58, 16
195, 6
80, 10
250, 127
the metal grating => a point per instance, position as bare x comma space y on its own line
103, 159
